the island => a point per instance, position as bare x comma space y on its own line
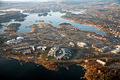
16, 15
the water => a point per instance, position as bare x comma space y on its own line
54, 18
2, 29
2, 13
12, 70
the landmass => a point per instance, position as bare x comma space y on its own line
72, 45
12, 15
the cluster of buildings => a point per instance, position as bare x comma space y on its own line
25, 50
107, 48
98, 47
60, 53
79, 44
102, 47
101, 37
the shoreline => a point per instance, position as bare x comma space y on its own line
100, 29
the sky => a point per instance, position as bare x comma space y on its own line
28, 0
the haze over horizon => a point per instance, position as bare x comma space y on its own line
49, 0
57, 0
29, 0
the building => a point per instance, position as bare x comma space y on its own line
72, 44
101, 62
116, 51
25, 49
82, 44
42, 48
60, 53
20, 38
15, 41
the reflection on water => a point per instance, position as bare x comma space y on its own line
53, 18
11, 69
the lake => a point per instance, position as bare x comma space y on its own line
53, 18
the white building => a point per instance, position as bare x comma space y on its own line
101, 62
81, 44
116, 51
15, 41
20, 38
43, 48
